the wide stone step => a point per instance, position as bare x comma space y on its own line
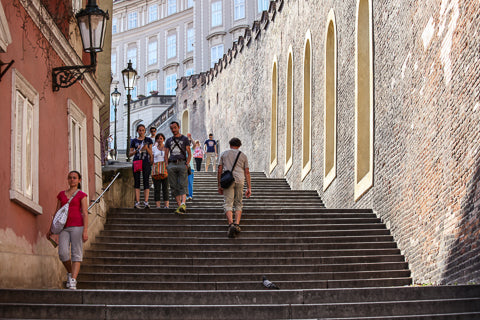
123, 247
237, 253
258, 270
239, 261
254, 285
246, 227
243, 240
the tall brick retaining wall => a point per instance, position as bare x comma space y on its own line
426, 118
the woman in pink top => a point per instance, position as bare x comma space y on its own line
198, 155
71, 238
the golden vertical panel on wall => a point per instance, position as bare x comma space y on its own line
363, 100
330, 110
307, 107
273, 130
184, 126
289, 113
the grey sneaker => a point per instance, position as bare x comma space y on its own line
147, 206
69, 278
137, 205
237, 228
231, 231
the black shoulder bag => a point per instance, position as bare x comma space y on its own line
189, 170
226, 179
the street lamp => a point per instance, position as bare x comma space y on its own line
115, 99
92, 25
129, 77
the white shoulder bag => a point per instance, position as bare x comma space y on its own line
61, 216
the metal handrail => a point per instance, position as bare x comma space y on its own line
106, 189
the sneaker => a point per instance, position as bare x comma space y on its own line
231, 231
189, 198
137, 205
237, 228
147, 206
69, 278
73, 284
182, 209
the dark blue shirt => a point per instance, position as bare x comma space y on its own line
138, 144
210, 143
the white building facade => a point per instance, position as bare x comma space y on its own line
168, 39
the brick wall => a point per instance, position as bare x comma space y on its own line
426, 118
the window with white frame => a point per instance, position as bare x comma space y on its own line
77, 142
216, 13
190, 3
114, 25
172, 6
114, 63
152, 52
132, 20
171, 84
171, 46
239, 9
132, 56
24, 144
216, 54
190, 39
263, 5
153, 13
151, 86
189, 72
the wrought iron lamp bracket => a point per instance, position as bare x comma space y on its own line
7, 64
64, 77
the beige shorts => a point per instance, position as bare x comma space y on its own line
233, 197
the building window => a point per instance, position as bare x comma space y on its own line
134, 93
132, 56
330, 110
364, 100
216, 13
172, 6
307, 107
153, 13
239, 9
263, 5
114, 25
216, 54
189, 72
77, 140
132, 20
171, 84
151, 86
114, 63
152, 52
273, 126
185, 123
190, 39
289, 115
24, 144
171, 46
190, 3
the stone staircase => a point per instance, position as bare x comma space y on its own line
328, 263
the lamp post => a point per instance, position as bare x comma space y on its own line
92, 25
115, 99
129, 77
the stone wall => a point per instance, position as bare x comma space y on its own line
426, 118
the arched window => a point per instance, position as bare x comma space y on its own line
289, 115
330, 110
307, 107
184, 126
363, 99
273, 130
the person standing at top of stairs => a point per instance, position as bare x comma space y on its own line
233, 195
210, 147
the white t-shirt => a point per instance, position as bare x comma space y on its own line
158, 155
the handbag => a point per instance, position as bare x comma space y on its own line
137, 165
61, 216
226, 179
159, 170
